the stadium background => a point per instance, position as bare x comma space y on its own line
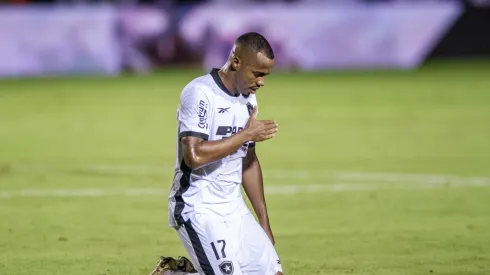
381, 164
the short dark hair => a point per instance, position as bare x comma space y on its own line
257, 43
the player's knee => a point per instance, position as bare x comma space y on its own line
279, 273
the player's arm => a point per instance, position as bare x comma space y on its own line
254, 188
198, 152
194, 118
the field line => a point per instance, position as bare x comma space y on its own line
333, 181
314, 175
270, 190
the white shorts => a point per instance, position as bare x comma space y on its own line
219, 246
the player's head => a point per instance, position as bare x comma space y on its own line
251, 59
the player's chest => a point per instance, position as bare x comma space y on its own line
230, 117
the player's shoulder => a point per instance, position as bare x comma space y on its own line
201, 84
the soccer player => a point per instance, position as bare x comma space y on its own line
217, 133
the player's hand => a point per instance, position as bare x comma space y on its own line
260, 130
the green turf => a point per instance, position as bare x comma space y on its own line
420, 141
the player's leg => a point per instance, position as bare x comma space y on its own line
212, 244
257, 255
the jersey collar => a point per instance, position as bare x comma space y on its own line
219, 82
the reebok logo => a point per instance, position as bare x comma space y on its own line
223, 110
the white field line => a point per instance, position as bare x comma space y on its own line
413, 178
94, 169
343, 176
270, 190
334, 181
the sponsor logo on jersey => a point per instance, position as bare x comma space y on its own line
231, 130
225, 130
203, 111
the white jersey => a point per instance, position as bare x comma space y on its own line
209, 111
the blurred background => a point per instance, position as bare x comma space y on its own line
381, 164
110, 37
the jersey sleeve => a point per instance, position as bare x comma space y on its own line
194, 115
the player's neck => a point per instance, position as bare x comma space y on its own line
227, 76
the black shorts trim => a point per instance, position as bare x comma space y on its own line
185, 182
198, 249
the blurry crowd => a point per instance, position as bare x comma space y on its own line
203, 1
468, 3
143, 35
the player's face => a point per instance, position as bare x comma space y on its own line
252, 73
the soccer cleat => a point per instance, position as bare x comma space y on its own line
184, 264
165, 263
169, 265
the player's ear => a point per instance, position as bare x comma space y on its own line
235, 63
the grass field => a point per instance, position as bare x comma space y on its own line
381, 173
